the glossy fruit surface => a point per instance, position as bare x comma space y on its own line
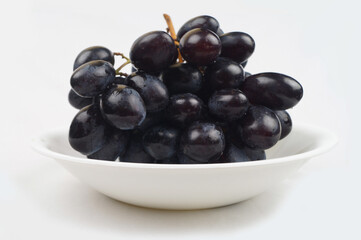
161, 142
219, 32
228, 104
123, 107
94, 53
200, 47
286, 122
224, 73
182, 78
152, 90
153, 52
115, 145
203, 142
259, 128
279, 91
87, 130
135, 152
206, 22
92, 78
183, 109
237, 46
77, 101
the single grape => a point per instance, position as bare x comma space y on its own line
135, 152
219, 32
114, 146
151, 89
161, 141
183, 109
237, 46
286, 122
120, 80
153, 52
206, 22
93, 53
244, 64
224, 73
182, 78
203, 142
279, 91
247, 74
200, 46
92, 78
77, 101
123, 107
87, 130
259, 128
228, 104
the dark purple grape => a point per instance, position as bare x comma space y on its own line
135, 152
87, 130
247, 74
161, 142
150, 120
77, 101
259, 128
232, 153
237, 46
182, 78
114, 146
92, 78
219, 32
120, 80
224, 73
153, 52
151, 89
184, 109
206, 22
228, 104
200, 47
244, 64
278, 91
123, 107
286, 122
93, 53
203, 142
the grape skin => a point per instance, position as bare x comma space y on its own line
93, 53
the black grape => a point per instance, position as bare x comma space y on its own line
151, 119
224, 73
92, 78
77, 101
182, 78
278, 91
205, 22
286, 122
200, 47
203, 142
93, 53
259, 128
151, 89
228, 104
114, 146
87, 130
123, 107
183, 109
237, 46
232, 153
153, 52
161, 141
135, 152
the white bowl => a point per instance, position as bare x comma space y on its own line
180, 187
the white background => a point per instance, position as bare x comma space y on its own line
316, 42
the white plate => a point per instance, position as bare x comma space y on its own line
188, 186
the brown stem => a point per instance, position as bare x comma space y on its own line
173, 34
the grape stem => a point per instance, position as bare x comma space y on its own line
117, 72
172, 34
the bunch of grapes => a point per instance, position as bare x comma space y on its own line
188, 99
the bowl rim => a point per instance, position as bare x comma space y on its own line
325, 141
